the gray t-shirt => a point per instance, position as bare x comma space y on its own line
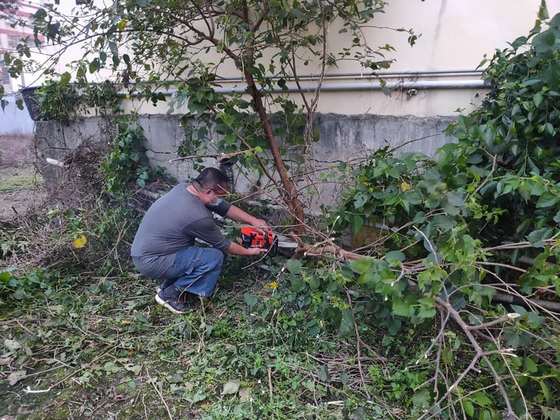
171, 224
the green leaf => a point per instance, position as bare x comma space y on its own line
546, 392
482, 399
547, 200
357, 223
427, 308
486, 415
93, 65
469, 408
534, 319
537, 237
65, 78
121, 25
250, 299
395, 257
346, 327
323, 374
111, 367
198, 396
530, 365
519, 309
402, 308
360, 199
538, 99
544, 42
294, 266
361, 266
550, 413
421, 399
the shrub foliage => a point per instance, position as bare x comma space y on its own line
475, 227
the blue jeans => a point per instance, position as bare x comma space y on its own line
195, 270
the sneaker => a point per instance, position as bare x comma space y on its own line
186, 298
172, 304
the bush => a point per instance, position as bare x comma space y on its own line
126, 161
458, 234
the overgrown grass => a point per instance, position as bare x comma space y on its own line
92, 346
12, 179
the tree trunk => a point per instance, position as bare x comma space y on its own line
289, 193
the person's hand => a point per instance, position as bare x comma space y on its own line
255, 251
261, 224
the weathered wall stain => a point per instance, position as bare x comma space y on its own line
342, 138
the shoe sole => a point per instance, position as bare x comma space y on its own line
168, 306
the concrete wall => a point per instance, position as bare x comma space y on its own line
456, 34
342, 138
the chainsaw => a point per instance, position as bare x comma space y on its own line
252, 237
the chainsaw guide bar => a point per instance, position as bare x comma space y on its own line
252, 237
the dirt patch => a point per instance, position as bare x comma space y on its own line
21, 188
16, 151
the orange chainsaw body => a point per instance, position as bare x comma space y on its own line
252, 237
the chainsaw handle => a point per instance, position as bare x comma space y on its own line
254, 237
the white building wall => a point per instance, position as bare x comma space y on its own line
455, 35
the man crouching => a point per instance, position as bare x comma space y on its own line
163, 247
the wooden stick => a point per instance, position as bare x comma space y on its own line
159, 394
358, 351
270, 382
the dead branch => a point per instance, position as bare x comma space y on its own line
218, 156
510, 298
479, 354
358, 341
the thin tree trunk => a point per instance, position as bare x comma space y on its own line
289, 194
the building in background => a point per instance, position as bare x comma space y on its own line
20, 13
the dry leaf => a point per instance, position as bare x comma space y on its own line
12, 345
244, 394
16, 376
231, 388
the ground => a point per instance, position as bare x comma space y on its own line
101, 347
84, 345
20, 189
20, 184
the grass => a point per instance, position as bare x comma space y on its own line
12, 179
101, 347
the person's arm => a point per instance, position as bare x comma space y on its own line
235, 213
207, 230
236, 249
